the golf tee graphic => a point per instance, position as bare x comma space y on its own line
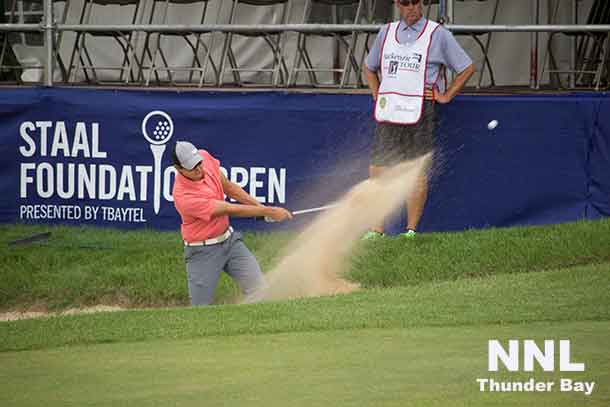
157, 128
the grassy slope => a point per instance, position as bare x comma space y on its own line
576, 294
85, 266
417, 337
447, 256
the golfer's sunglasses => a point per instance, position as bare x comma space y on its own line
408, 2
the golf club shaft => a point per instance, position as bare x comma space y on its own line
304, 211
318, 209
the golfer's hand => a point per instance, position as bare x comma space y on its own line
436, 96
279, 214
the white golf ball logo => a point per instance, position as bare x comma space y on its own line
163, 128
492, 124
158, 134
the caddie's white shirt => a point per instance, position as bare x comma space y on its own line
403, 71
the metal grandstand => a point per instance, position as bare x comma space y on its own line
211, 59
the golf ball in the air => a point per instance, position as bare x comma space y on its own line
492, 124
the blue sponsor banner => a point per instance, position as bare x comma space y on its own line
102, 157
531, 169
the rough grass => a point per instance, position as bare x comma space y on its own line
476, 253
87, 266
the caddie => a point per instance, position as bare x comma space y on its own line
405, 71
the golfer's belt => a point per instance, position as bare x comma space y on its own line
214, 240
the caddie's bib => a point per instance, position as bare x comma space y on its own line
403, 76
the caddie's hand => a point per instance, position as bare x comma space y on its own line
279, 214
441, 98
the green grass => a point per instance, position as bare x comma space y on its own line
575, 294
87, 266
355, 367
417, 336
475, 253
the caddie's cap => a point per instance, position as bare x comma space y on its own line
187, 155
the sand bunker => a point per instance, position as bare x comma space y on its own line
16, 315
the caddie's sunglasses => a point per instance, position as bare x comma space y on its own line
408, 2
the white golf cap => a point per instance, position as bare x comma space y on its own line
187, 154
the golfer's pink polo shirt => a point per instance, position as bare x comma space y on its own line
195, 201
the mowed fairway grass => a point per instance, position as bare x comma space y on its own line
415, 336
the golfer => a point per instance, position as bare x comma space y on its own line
210, 243
405, 70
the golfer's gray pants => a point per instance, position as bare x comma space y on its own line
205, 263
